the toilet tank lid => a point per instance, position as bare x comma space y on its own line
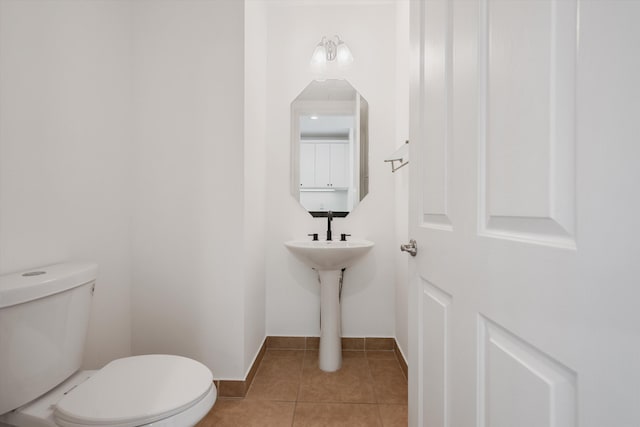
29, 285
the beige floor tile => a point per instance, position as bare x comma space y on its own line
353, 354
279, 354
289, 389
381, 354
249, 413
336, 415
278, 377
352, 383
394, 415
389, 382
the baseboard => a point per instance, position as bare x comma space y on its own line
239, 388
401, 359
312, 343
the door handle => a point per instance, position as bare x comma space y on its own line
411, 247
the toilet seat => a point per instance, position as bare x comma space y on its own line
135, 391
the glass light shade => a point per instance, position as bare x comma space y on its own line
319, 56
343, 54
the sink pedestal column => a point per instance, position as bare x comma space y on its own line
330, 358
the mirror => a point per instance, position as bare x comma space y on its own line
329, 148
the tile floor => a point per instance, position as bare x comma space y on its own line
290, 390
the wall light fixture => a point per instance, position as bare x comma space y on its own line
329, 50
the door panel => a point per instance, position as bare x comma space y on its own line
307, 165
434, 315
436, 116
323, 165
527, 56
339, 159
524, 202
518, 385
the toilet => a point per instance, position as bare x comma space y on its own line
44, 316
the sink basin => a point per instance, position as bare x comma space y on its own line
329, 255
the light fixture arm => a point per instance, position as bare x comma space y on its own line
332, 49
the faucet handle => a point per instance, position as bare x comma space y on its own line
343, 237
314, 235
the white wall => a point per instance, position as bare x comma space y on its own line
294, 28
255, 154
193, 207
121, 141
402, 176
64, 150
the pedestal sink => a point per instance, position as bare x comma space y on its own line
328, 258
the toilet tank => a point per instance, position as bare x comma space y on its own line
44, 315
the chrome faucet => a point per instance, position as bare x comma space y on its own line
329, 219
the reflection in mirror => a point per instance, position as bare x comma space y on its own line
329, 148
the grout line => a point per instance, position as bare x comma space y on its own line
373, 382
295, 404
379, 415
304, 360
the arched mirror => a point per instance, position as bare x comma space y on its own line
329, 148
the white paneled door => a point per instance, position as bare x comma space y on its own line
525, 203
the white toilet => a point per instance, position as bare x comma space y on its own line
44, 315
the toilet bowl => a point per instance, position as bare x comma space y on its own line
44, 313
